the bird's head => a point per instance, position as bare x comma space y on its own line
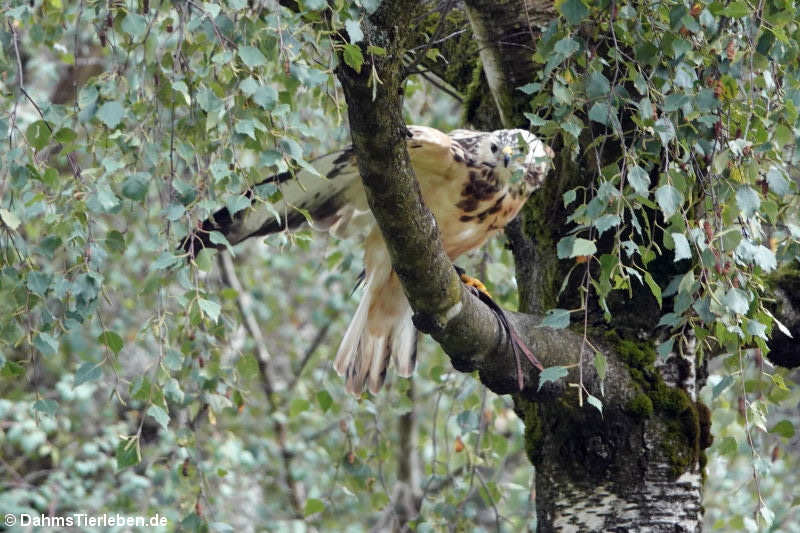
515, 154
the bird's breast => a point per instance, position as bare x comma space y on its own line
472, 208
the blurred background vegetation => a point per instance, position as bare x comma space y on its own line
131, 381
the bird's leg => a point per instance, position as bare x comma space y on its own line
472, 282
517, 344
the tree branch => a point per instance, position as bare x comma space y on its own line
505, 36
468, 330
243, 301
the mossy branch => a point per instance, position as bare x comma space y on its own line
468, 330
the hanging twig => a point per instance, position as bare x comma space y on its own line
243, 301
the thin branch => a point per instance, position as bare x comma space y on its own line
243, 301
466, 328
441, 86
320, 336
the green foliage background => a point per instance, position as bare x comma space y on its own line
129, 381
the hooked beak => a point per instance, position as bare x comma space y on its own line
506, 156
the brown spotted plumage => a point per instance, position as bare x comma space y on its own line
473, 182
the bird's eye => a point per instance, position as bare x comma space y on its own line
493, 148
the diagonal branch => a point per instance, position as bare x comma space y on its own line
243, 301
466, 328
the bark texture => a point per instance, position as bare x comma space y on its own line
638, 465
639, 469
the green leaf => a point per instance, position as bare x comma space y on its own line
134, 25
777, 182
165, 260
12, 370
247, 366
682, 249
246, 127
210, 308
127, 453
112, 340
737, 10
555, 318
219, 169
756, 328
569, 197
566, 47
601, 112
583, 247
665, 130
46, 344
573, 10
728, 446
324, 400
103, 200
111, 114
663, 349
159, 414
353, 28
669, 200
87, 372
208, 101
654, 288
572, 246
595, 402
605, 222
748, 200
203, 259
784, 428
251, 56
38, 282
297, 406
597, 85
135, 186
720, 387
765, 258
601, 365
218, 238
237, 203
552, 373
266, 97
352, 56
48, 407
529, 89
65, 135
173, 360
639, 180
673, 102
9, 219
174, 212
38, 134
736, 300
313, 506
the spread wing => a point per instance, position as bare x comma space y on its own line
332, 199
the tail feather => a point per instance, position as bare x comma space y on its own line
381, 332
404, 345
349, 348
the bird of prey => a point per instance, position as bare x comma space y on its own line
473, 182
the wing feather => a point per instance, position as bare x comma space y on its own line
332, 199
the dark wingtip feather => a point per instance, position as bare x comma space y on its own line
200, 237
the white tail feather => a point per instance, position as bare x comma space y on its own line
352, 337
404, 345
380, 332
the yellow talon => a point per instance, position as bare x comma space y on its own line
475, 282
